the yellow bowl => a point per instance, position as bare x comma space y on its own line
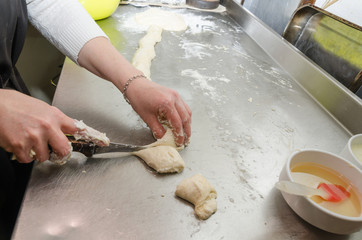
100, 9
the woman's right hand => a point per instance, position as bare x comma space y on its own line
29, 124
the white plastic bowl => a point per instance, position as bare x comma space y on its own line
312, 212
347, 152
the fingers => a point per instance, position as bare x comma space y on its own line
57, 138
178, 118
156, 127
67, 124
37, 148
23, 155
41, 151
39, 140
53, 135
185, 116
28, 124
59, 144
158, 105
21, 147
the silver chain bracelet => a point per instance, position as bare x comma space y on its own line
128, 83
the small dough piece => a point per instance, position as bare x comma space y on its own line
199, 192
164, 159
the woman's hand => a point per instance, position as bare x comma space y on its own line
29, 124
154, 103
159, 105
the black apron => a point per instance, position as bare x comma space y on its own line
13, 175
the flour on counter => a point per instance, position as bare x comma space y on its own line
199, 50
195, 50
205, 83
199, 24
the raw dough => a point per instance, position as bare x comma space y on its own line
167, 20
85, 133
61, 160
162, 155
164, 159
199, 192
89, 134
156, 20
146, 51
167, 140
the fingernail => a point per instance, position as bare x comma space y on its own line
156, 135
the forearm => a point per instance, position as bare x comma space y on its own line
67, 25
101, 58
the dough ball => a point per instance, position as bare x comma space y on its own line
200, 193
164, 159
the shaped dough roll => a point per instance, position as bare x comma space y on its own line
164, 159
199, 192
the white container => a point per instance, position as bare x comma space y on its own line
350, 153
312, 212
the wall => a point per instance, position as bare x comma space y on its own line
39, 62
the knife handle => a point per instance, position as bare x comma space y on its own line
87, 148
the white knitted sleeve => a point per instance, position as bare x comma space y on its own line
65, 23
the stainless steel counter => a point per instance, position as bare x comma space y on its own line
249, 115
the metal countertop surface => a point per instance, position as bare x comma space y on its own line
249, 115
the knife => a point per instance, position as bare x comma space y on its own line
90, 148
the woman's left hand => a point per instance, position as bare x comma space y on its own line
159, 105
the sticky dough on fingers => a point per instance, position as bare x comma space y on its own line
61, 160
85, 133
89, 134
200, 193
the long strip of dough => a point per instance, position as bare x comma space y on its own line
146, 51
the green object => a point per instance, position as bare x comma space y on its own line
340, 40
109, 26
100, 9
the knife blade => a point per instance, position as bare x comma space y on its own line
89, 149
